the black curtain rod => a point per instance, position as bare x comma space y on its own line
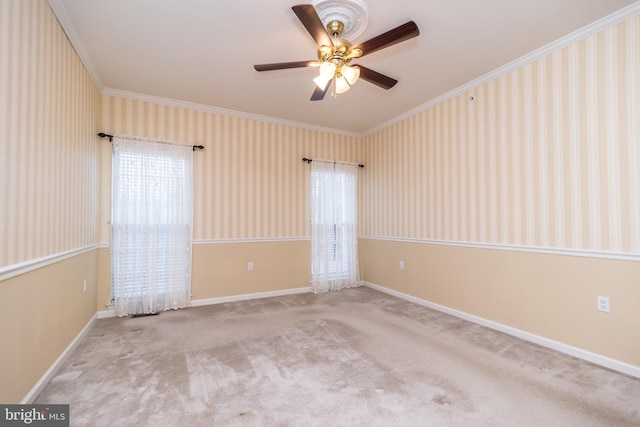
304, 159
106, 135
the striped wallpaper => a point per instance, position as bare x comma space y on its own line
48, 149
250, 181
545, 156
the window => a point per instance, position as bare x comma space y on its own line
334, 247
151, 226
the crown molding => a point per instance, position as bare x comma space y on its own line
571, 38
602, 24
66, 24
223, 111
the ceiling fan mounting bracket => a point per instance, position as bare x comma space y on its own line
353, 14
335, 28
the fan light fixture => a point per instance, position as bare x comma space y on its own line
335, 53
344, 75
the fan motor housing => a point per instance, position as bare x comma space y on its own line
341, 47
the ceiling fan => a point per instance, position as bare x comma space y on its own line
335, 54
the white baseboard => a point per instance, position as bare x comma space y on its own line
53, 369
109, 312
220, 300
579, 353
105, 314
243, 297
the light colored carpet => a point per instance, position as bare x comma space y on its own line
348, 358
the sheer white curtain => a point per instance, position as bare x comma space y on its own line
334, 226
151, 226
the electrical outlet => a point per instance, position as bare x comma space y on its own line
603, 304
250, 266
84, 286
401, 265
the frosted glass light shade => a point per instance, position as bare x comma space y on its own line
327, 71
350, 73
322, 81
342, 85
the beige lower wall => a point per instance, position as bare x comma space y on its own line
220, 269
553, 296
548, 295
41, 313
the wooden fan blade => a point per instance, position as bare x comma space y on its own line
399, 34
282, 65
318, 94
385, 82
311, 21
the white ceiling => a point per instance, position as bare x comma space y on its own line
203, 51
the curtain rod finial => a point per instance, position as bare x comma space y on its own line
105, 135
